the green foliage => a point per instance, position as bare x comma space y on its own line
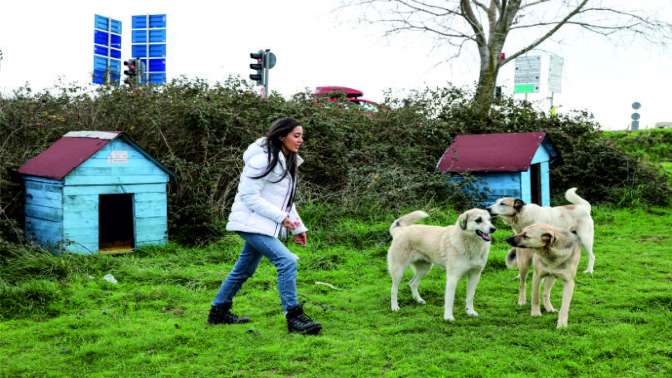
652, 144
355, 161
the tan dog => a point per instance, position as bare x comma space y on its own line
556, 255
519, 215
462, 249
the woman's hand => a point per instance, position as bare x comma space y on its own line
301, 239
290, 224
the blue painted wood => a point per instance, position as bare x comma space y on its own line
114, 180
117, 163
540, 155
152, 221
495, 185
515, 184
80, 222
82, 247
42, 212
66, 212
44, 194
88, 235
545, 184
44, 232
80, 211
501, 182
151, 229
115, 189
42, 183
150, 209
146, 238
526, 186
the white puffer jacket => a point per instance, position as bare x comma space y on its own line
260, 205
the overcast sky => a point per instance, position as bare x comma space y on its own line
44, 42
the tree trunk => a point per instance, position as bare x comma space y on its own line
487, 80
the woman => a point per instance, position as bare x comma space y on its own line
262, 212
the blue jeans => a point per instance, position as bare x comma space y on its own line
257, 246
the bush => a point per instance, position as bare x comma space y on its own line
355, 161
653, 144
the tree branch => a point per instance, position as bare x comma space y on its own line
549, 33
533, 3
468, 14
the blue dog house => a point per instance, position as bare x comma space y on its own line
95, 191
504, 165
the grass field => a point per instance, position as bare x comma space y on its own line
60, 318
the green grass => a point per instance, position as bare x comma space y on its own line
652, 144
61, 318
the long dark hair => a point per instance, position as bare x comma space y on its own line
280, 128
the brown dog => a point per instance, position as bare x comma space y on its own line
556, 255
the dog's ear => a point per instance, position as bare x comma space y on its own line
518, 204
548, 238
462, 220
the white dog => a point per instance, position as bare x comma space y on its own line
519, 215
556, 255
462, 249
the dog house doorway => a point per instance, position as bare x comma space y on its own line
535, 183
115, 223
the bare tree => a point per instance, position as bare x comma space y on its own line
489, 24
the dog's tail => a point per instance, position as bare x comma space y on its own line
574, 198
407, 219
511, 258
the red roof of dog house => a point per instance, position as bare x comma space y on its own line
67, 153
505, 152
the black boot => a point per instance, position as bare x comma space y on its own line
299, 322
221, 314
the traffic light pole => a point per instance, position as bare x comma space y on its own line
264, 61
265, 95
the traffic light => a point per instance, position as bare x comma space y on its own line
259, 75
132, 72
264, 60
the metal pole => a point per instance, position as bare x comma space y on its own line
265, 72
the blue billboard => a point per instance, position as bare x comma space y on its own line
148, 43
106, 50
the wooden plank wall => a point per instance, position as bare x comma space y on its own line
44, 211
117, 168
495, 185
514, 184
542, 156
500, 184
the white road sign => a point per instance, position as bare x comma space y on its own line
526, 76
555, 73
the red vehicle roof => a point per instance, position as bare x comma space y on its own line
349, 92
505, 152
